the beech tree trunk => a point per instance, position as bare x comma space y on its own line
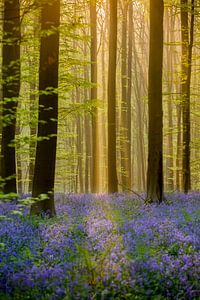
18, 159
33, 133
10, 92
43, 181
178, 148
87, 127
95, 129
112, 166
155, 135
170, 80
187, 46
129, 90
79, 147
124, 134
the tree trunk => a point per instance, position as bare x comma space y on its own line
112, 166
19, 160
170, 80
178, 148
103, 113
95, 129
129, 90
33, 133
186, 79
124, 138
139, 94
155, 136
87, 127
11, 88
44, 174
79, 146
33, 112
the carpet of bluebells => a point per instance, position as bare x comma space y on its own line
102, 247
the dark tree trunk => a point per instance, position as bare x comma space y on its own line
44, 174
186, 79
95, 129
155, 136
11, 88
112, 166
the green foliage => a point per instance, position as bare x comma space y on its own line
187, 216
174, 249
7, 197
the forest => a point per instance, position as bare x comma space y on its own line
100, 149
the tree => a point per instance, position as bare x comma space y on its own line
170, 86
187, 45
87, 129
129, 85
155, 136
125, 141
44, 173
11, 88
140, 89
112, 168
95, 135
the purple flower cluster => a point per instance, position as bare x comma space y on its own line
163, 243
102, 247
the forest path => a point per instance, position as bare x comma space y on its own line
104, 253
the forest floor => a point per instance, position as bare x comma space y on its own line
102, 247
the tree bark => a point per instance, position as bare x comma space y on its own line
79, 146
112, 166
129, 89
33, 133
44, 174
95, 129
19, 160
186, 80
124, 137
10, 92
87, 128
178, 148
170, 80
155, 136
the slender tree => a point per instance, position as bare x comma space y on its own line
170, 79
187, 45
33, 133
95, 128
79, 145
140, 88
129, 87
43, 181
124, 128
11, 88
32, 107
184, 75
112, 166
155, 135
87, 128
